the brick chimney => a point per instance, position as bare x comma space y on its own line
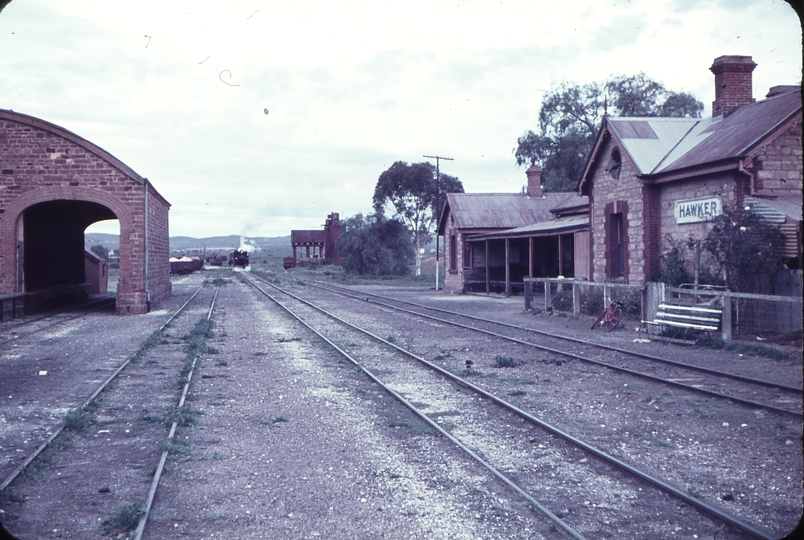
733, 84
534, 181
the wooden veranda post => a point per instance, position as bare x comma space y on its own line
488, 277
507, 268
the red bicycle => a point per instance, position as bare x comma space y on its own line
610, 317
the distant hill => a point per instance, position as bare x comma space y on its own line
224, 244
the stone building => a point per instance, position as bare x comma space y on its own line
53, 185
648, 179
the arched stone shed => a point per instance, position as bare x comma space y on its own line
53, 185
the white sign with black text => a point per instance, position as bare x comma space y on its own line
697, 210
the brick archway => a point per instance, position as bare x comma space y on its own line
43, 163
9, 228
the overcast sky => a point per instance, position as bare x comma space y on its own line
178, 90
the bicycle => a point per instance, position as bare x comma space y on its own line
610, 317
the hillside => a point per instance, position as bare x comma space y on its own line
279, 245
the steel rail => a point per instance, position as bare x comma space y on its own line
655, 481
149, 501
62, 321
532, 502
83, 406
691, 367
11, 325
653, 378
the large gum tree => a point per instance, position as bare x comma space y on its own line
416, 194
571, 115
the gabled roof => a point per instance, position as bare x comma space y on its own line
6, 114
492, 211
659, 146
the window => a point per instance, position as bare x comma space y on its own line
614, 164
453, 253
617, 244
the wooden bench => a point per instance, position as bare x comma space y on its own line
703, 317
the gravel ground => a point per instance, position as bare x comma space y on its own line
292, 442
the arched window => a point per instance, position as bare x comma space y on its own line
614, 164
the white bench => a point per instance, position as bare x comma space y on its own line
703, 317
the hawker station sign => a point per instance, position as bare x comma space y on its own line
697, 210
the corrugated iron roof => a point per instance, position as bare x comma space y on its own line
660, 145
505, 210
733, 135
308, 237
648, 151
545, 228
776, 210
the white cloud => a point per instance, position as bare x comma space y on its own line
350, 87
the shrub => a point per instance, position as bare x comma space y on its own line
375, 246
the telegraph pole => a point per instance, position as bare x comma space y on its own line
438, 200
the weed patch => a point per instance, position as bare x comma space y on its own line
179, 450
183, 416
196, 341
11, 496
78, 420
154, 340
213, 456
743, 348
123, 520
504, 362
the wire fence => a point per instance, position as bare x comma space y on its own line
748, 315
745, 316
583, 297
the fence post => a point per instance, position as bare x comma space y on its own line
528, 292
548, 301
725, 321
606, 297
576, 300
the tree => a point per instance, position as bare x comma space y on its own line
744, 249
571, 115
416, 197
374, 246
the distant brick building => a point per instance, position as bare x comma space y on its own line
53, 185
652, 178
317, 246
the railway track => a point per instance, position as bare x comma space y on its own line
121, 435
31, 326
689, 377
533, 449
57, 430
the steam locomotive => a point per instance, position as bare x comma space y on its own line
239, 259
